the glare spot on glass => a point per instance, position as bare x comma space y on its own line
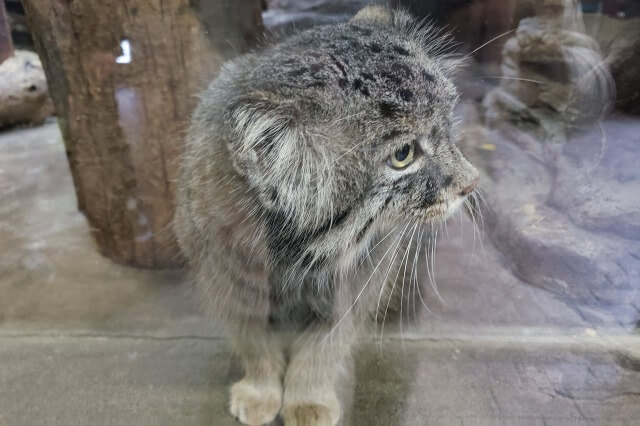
132, 204
145, 237
125, 58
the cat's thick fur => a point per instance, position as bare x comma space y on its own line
286, 198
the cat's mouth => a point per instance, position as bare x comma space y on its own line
448, 204
439, 211
453, 200
442, 211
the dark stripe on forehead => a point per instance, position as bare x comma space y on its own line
340, 66
393, 134
383, 141
389, 110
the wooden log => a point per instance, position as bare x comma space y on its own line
6, 44
123, 75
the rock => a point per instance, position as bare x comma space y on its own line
598, 179
542, 211
563, 180
24, 96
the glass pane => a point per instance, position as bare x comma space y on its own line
320, 212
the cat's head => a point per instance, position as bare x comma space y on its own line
352, 119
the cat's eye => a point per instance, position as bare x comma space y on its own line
403, 156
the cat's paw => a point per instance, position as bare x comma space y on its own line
255, 403
311, 415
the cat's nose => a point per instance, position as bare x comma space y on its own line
469, 189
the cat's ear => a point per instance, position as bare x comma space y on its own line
377, 15
260, 127
271, 144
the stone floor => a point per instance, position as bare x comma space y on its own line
84, 340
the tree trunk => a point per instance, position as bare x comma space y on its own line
6, 45
123, 75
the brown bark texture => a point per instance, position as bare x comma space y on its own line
6, 44
123, 117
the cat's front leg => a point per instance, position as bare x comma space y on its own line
319, 360
256, 399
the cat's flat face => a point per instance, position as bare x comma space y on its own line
360, 120
423, 175
406, 162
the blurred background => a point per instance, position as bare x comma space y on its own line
536, 315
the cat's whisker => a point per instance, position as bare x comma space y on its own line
482, 204
404, 259
377, 244
489, 42
431, 266
413, 280
384, 281
221, 179
444, 223
504, 77
348, 117
349, 150
474, 209
413, 265
478, 209
473, 223
433, 270
385, 284
366, 282
417, 287
427, 253
404, 276
461, 220
480, 201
